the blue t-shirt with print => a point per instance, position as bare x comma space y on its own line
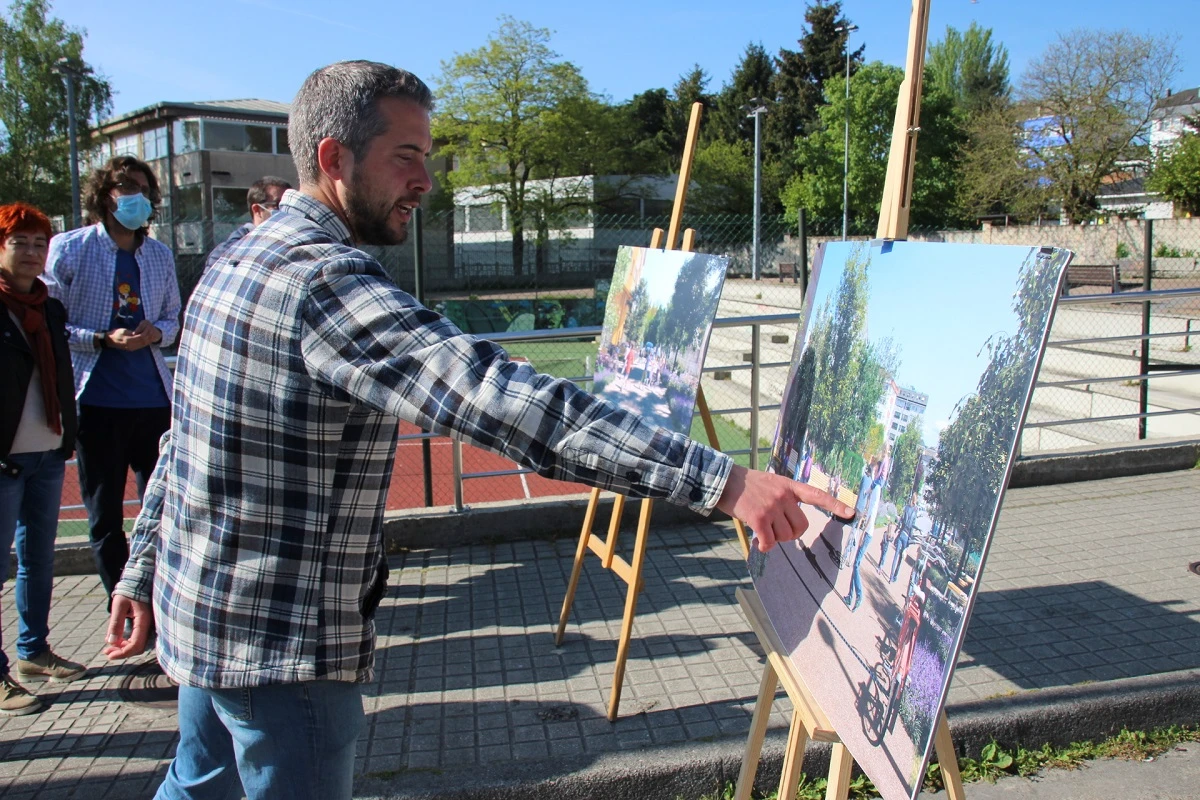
123, 379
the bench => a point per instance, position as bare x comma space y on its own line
1108, 275
787, 269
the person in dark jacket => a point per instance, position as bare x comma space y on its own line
37, 436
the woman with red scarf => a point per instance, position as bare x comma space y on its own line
37, 436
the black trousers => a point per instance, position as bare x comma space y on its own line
112, 441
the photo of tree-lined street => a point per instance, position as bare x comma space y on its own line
910, 380
660, 309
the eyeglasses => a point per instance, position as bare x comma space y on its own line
131, 187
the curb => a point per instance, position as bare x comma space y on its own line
1071, 466
1057, 716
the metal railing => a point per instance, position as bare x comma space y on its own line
1149, 369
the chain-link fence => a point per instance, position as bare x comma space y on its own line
463, 264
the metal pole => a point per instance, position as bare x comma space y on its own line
418, 240
419, 292
846, 150
1147, 268
803, 255
757, 188
755, 358
75, 210
456, 458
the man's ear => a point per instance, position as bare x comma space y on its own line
333, 159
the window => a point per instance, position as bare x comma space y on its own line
187, 136
154, 144
126, 145
229, 204
281, 142
190, 203
98, 156
237, 137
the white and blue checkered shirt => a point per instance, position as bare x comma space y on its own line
80, 270
260, 538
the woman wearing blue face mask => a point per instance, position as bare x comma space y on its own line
122, 300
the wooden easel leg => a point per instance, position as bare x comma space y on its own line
793, 758
758, 732
631, 598
948, 759
580, 551
840, 763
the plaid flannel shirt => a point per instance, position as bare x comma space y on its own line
260, 539
80, 270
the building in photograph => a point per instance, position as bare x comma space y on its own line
898, 408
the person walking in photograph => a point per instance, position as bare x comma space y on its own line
37, 436
908, 522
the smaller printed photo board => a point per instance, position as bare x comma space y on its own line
912, 374
660, 310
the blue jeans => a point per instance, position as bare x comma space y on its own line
856, 590
29, 506
293, 740
898, 556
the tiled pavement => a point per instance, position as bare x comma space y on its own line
1086, 582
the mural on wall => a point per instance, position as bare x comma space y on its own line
660, 309
910, 381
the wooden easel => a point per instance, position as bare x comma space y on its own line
631, 571
809, 722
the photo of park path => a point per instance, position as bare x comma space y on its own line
905, 401
658, 317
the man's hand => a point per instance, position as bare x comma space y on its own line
147, 330
768, 503
116, 645
127, 340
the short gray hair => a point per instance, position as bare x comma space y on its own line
341, 101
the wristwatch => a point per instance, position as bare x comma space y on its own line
100, 340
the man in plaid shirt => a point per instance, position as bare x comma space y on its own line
259, 546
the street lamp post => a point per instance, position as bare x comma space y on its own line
757, 109
72, 73
846, 29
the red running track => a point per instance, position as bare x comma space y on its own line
408, 487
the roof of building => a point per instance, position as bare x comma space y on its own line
252, 108
1185, 98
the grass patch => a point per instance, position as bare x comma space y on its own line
996, 761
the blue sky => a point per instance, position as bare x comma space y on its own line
226, 49
941, 320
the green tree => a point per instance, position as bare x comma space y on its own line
906, 455
968, 475
968, 67
1093, 93
752, 78
1176, 172
996, 177
508, 112
34, 145
647, 139
874, 91
850, 371
801, 75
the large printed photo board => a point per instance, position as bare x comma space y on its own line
909, 384
661, 305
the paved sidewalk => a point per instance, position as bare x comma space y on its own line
1086, 583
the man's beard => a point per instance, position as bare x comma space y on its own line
369, 223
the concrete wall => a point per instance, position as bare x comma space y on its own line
1092, 244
